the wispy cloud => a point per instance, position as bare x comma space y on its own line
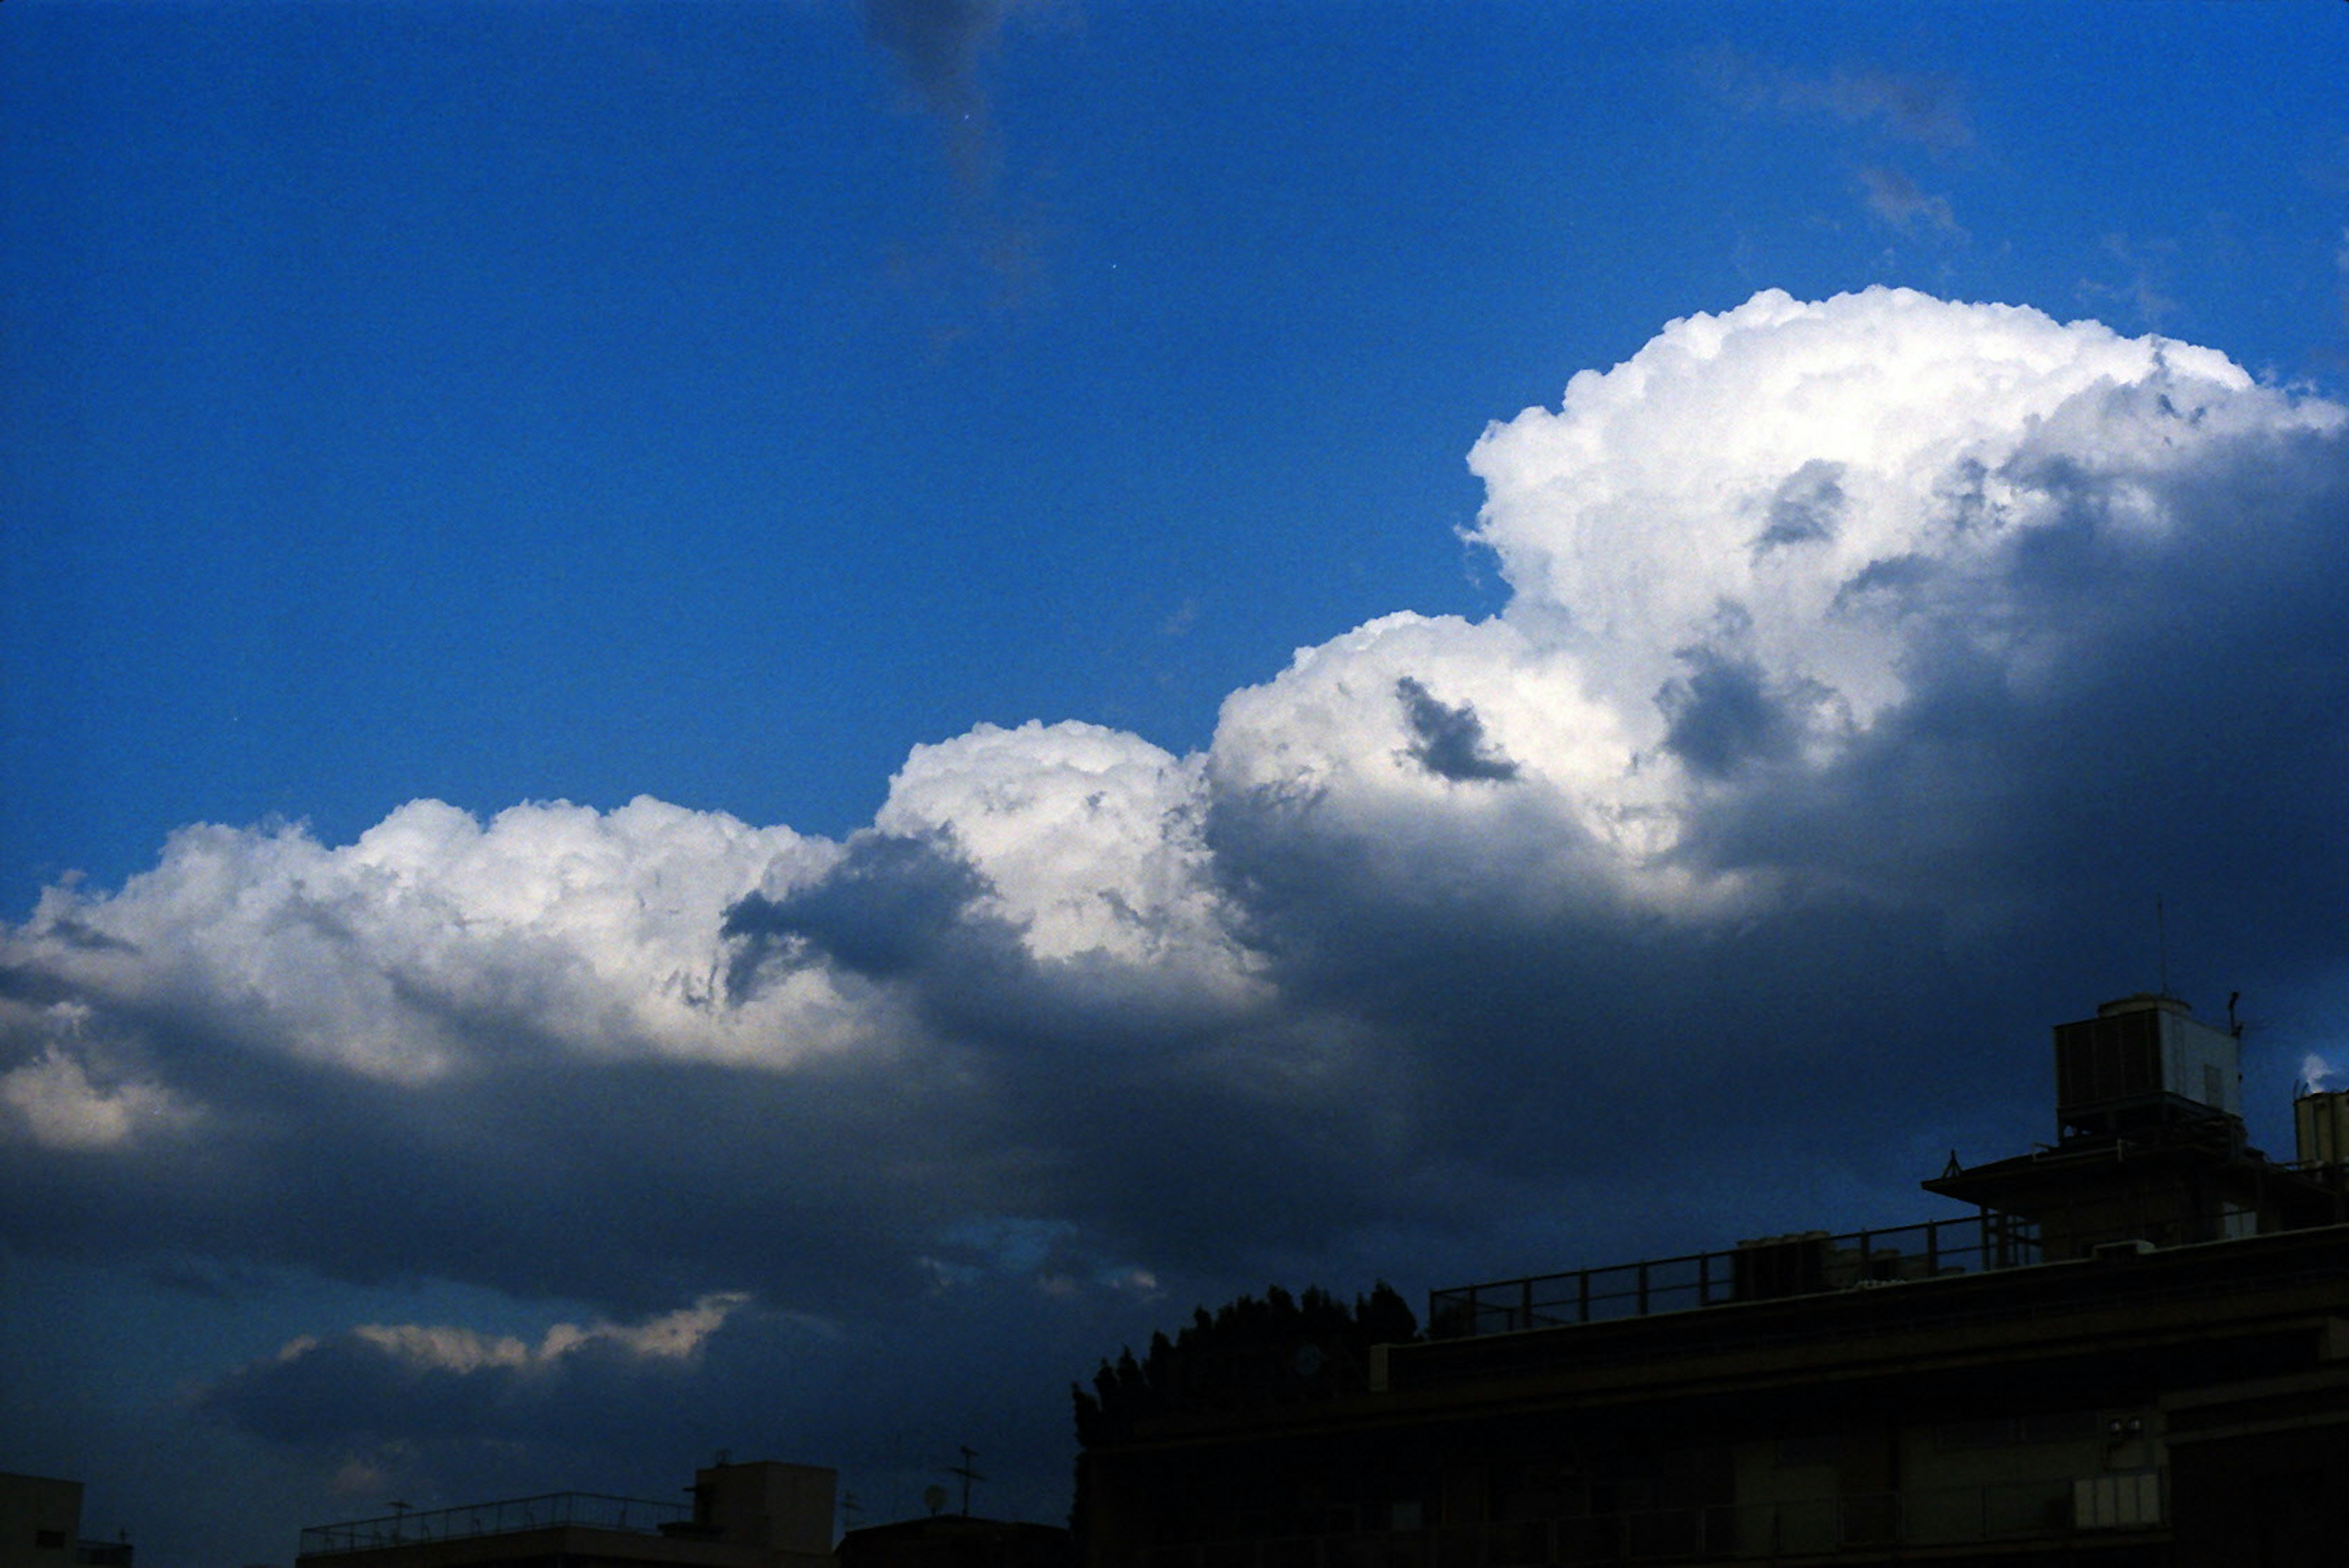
1894, 197
2139, 292
1929, 109
941, 48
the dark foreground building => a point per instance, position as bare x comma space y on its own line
2134, 1351
957, 1541
41, 1527
761, 1515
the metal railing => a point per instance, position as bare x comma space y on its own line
1771, 1269
595, 1510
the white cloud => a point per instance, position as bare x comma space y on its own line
1731, 558
1643, 505
435, 939
53, 1101
673, 1336
1329, 742
1091, 839
1728, 554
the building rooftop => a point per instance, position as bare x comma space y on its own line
595, 1510
1768, 1269
758, 1515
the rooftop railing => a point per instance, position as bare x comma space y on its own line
1771, 1269
595, 1510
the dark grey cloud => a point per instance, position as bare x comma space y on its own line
1727, 712
1449, 741
1808, 507
889, 906
2176, 741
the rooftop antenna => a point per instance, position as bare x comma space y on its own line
968, 1475
2161, 941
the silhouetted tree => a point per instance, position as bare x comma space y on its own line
1279, 1349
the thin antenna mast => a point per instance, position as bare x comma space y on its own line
968, 1475
2161, 941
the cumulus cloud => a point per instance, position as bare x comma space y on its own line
55, 1102
1868, 662
1938, 440
435, 939
1089, 839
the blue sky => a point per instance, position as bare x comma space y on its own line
909, 447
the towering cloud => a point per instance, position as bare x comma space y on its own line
1869, 667
1766, 548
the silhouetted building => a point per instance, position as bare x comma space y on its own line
2134, 1351
41, 1527
762, 1515
957, 1541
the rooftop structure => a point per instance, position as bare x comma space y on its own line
761, 1515
41, 1527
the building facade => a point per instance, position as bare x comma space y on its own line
41, 1527
2133, 1351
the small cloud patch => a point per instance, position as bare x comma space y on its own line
1449, 741
1807, 507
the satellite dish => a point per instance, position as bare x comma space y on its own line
933, 1497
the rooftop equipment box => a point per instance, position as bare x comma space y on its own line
2320, 1127
2144, 1058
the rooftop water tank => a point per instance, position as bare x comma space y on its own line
2144, 1061
2320, 1125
